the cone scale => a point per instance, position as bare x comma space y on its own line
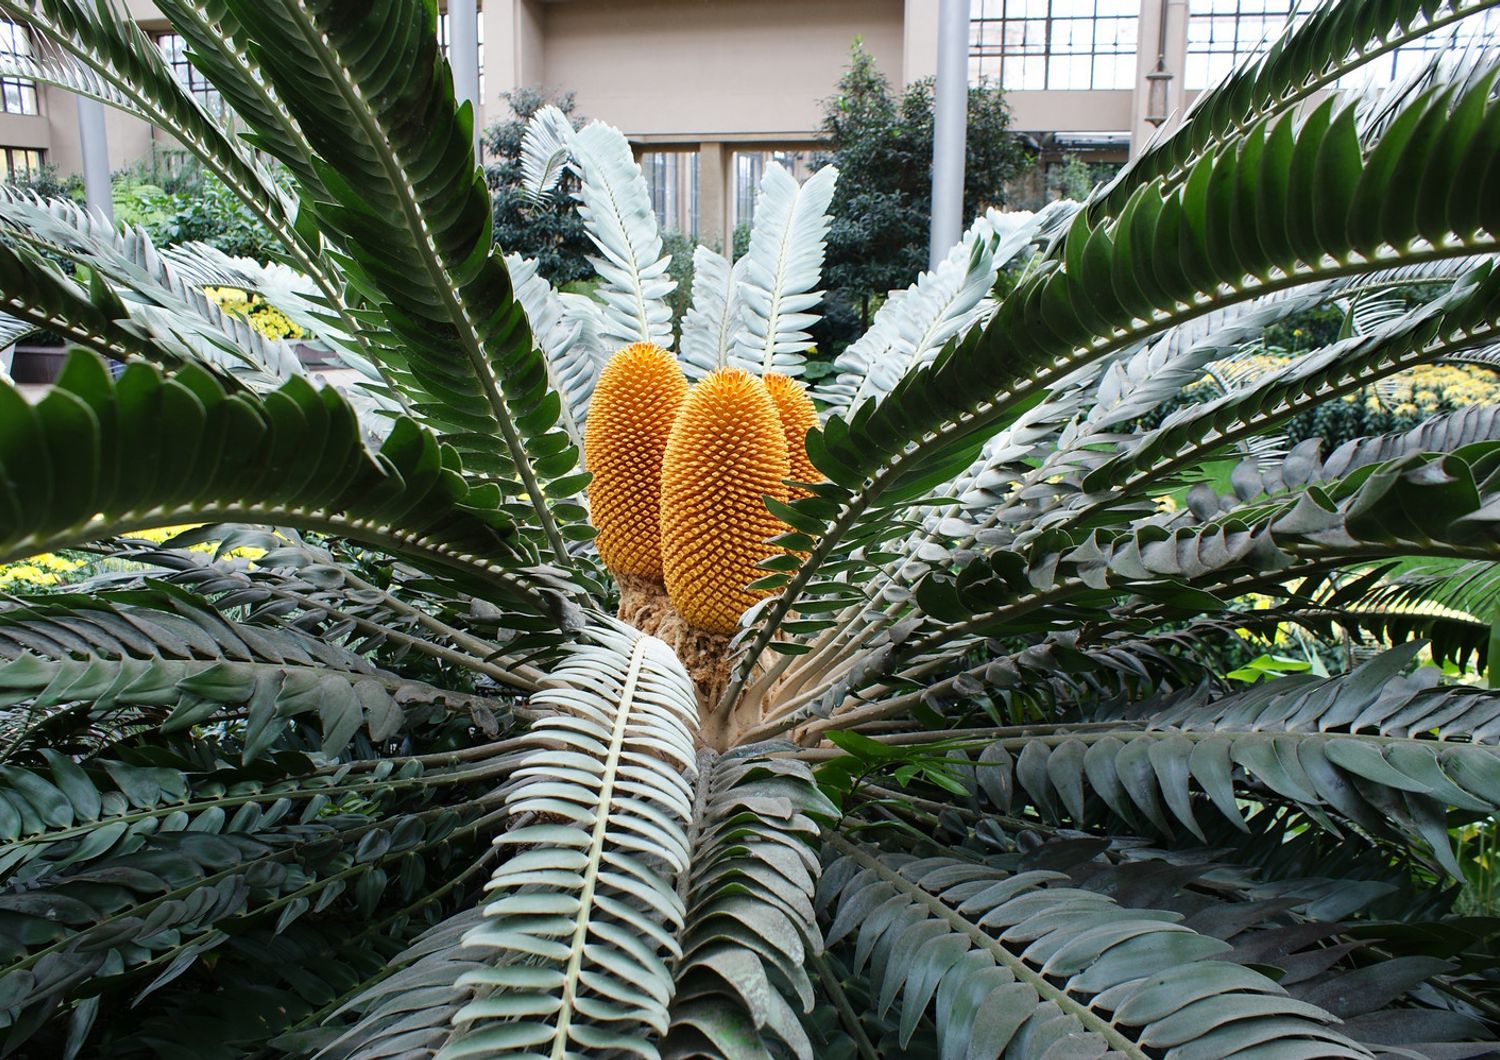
726, 452
798, 416
637, 399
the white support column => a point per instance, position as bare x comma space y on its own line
713, 208
463, 54
95, 148
950, 127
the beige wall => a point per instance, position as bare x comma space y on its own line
919, 41
1077, 111
512, 50
690, 70
27, 130
55, 131
144, 11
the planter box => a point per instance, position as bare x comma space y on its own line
315, 357
37, 364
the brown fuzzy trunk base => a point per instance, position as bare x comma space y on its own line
705, 656
643, 602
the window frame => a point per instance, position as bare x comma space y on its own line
443, 47
998, 45
15, 39
1272, 16
35, 159
188, 75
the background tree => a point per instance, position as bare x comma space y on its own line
881, 143
551, 231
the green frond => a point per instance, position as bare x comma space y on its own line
1202, 431
1020, 961
142, 660
1369, 751
428, 973
160, 301
1334, 40
219, 48
354, 765
412, 212
586, 898
36, 294
286, 998
781, 269
616, 209
1295, 204
1439, 505
909, 331
750, 929
567, 329
294, 584
1440, 590
139, 871
151, 450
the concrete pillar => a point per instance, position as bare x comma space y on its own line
950, 127
513, 44
713, 205
463, 55
94, 146
1163, 37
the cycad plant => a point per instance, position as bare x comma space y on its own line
395, 766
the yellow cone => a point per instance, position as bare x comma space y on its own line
727, 451
798, 416
638, 396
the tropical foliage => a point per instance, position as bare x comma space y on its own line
549, 231
1398, 402
880, 139
378, 773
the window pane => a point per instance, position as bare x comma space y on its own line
1481, 30
1054, 44
443, 45
1222, 34
19, 94
174, 50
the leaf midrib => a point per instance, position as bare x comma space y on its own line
1002, 956
610, 768
778, 282
441, 283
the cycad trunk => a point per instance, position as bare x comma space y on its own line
706, 656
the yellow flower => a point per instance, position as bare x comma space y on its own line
262, 316
53, 562
25, 574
